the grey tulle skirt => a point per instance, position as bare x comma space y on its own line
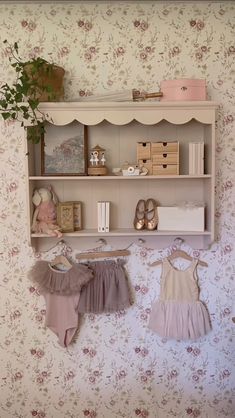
108, 291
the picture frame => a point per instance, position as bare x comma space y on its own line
64, 150
77, 215
69, 216
65, 217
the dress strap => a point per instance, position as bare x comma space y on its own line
194, 264
194, 269
166, 265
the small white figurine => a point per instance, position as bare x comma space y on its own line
96, 159
102, 158
97, 162
92, 158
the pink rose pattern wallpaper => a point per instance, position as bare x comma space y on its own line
116, 366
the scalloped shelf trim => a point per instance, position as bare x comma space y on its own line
121, 114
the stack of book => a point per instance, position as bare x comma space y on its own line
196, 158
103, 216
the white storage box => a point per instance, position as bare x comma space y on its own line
181, 218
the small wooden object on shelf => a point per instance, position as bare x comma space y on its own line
77, 215
160, 158
165, 158
122, 96
65, 216
97, 160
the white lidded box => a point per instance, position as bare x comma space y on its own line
181, 218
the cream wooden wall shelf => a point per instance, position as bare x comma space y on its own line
147, 113
118, 127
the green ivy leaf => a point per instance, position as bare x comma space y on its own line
6, 115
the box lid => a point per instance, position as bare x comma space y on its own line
183, 82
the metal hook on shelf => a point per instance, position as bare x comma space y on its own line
62, 245
140, 241
178, 241
61, 242
102, 241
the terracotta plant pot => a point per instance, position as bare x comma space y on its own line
48, 75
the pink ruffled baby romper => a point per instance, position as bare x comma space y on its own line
61, 290
178, 313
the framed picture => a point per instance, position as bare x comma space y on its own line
77, 215
65, 216
69, 216
64, 150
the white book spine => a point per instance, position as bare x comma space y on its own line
193, 158
199, 158
99, 216
196, 158
102, 216
202, 157
190, 158
107, 216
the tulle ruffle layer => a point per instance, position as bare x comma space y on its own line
179, 320
108, 292
64, 283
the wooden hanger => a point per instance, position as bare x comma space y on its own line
61, 259
179, 254
102, 254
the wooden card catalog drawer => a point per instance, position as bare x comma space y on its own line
143, 151
165, 169
160, 147
146, 164
165, 158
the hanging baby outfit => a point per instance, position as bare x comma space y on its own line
94, 287
68, 281
61, 290
178, 313
109, 290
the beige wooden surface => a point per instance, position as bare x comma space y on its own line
120, 142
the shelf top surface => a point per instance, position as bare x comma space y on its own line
130, 105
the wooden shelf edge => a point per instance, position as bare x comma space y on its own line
125, 233
122, 178
122, 113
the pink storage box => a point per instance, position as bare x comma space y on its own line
183, 89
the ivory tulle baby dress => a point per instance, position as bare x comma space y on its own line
178, 313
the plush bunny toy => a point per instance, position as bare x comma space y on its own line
44, 217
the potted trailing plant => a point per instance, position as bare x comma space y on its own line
37, 80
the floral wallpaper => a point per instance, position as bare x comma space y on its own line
116, 366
